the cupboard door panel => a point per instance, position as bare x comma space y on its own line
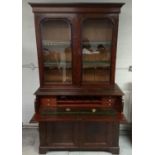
98, 134
61, 134
94, 134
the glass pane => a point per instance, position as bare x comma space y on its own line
56, 41
96, 50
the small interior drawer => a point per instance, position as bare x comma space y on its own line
48, 101
74, 101
108, 102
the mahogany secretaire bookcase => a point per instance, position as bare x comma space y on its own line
78, 105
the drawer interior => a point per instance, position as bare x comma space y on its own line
94, 105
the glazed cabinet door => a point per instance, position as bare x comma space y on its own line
98, 48
55, 48
57, 52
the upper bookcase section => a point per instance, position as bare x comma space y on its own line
76, 43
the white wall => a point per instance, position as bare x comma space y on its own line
30, 71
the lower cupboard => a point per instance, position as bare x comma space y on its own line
78, 136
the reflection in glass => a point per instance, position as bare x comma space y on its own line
96, 50
56, 36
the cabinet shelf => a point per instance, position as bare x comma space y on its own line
94, 43
87, 64
55, 43
48, 43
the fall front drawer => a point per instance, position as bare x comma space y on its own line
96, 106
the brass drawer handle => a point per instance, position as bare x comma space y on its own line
93, 110
68, 109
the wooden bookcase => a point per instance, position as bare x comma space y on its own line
78, 105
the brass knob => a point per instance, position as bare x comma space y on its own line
110, 100
48, 100
68, 109
93, 110
109, 104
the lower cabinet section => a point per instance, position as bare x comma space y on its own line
95, 136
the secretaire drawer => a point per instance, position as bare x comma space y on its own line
49, 101
102, 105
107, 101
57, 110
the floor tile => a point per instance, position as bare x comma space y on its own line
58, 153
125, 145
91, 153
74, 153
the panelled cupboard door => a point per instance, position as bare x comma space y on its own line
93, 135
61, 134
96, 135
73, 135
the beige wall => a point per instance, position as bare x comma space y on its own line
30, 70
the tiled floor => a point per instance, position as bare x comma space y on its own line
31, 143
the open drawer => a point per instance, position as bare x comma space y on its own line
106, 105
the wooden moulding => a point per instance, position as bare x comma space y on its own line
76, 7
85, 90
120, 118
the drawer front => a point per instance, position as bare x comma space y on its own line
48, 101
108, 102
76, 111
113, 103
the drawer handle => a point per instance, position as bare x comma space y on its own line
109, 104
93, 110
68, 109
